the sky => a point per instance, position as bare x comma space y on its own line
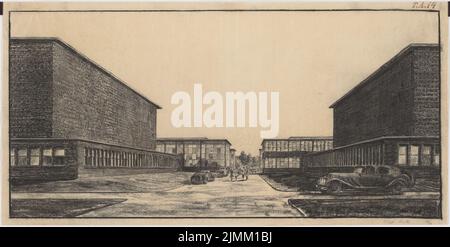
310, 58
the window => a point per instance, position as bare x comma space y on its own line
291, 146
308, 146
47, 157
402, 160
436, 155
272, 163
108, 158
101, 156
59, 156
35, 157
363, 156
295, 162
160, 147
89, 156
171, 148
112, 158
282, 162
117, 157
22, 157
426, 155
274, 146
414, 156
86, 156
180, 148
122, 159
379, 158
12, 157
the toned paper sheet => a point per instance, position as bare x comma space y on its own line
208, 113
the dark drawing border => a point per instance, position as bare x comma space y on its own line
235, 10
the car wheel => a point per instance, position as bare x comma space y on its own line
396, 188
335, 187
194, 180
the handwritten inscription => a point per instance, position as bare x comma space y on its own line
424, 5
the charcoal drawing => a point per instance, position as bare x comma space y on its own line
87, 142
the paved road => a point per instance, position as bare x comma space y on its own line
221, 198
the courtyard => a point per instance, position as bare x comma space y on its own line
115, 194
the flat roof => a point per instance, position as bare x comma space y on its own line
182, 139
309, 137
85, 58
383, 67
299, 138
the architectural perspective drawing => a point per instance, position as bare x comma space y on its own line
101, 127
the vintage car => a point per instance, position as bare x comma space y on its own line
375, 178
202, 177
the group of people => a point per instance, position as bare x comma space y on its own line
236, 173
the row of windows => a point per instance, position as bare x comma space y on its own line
418, 155
292, 162
307, 146
210, 156
38, 156
108, 158
190, 148
353, 156
192, 160
407, 155
212, 152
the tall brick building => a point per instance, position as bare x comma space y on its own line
391, 117
67, 112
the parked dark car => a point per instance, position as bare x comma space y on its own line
202, 177
368, 178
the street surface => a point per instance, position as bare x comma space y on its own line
221, 198
171, 195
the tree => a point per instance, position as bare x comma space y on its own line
244, 158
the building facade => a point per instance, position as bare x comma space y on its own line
284, 155
67, 113
198, 152
390, 118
